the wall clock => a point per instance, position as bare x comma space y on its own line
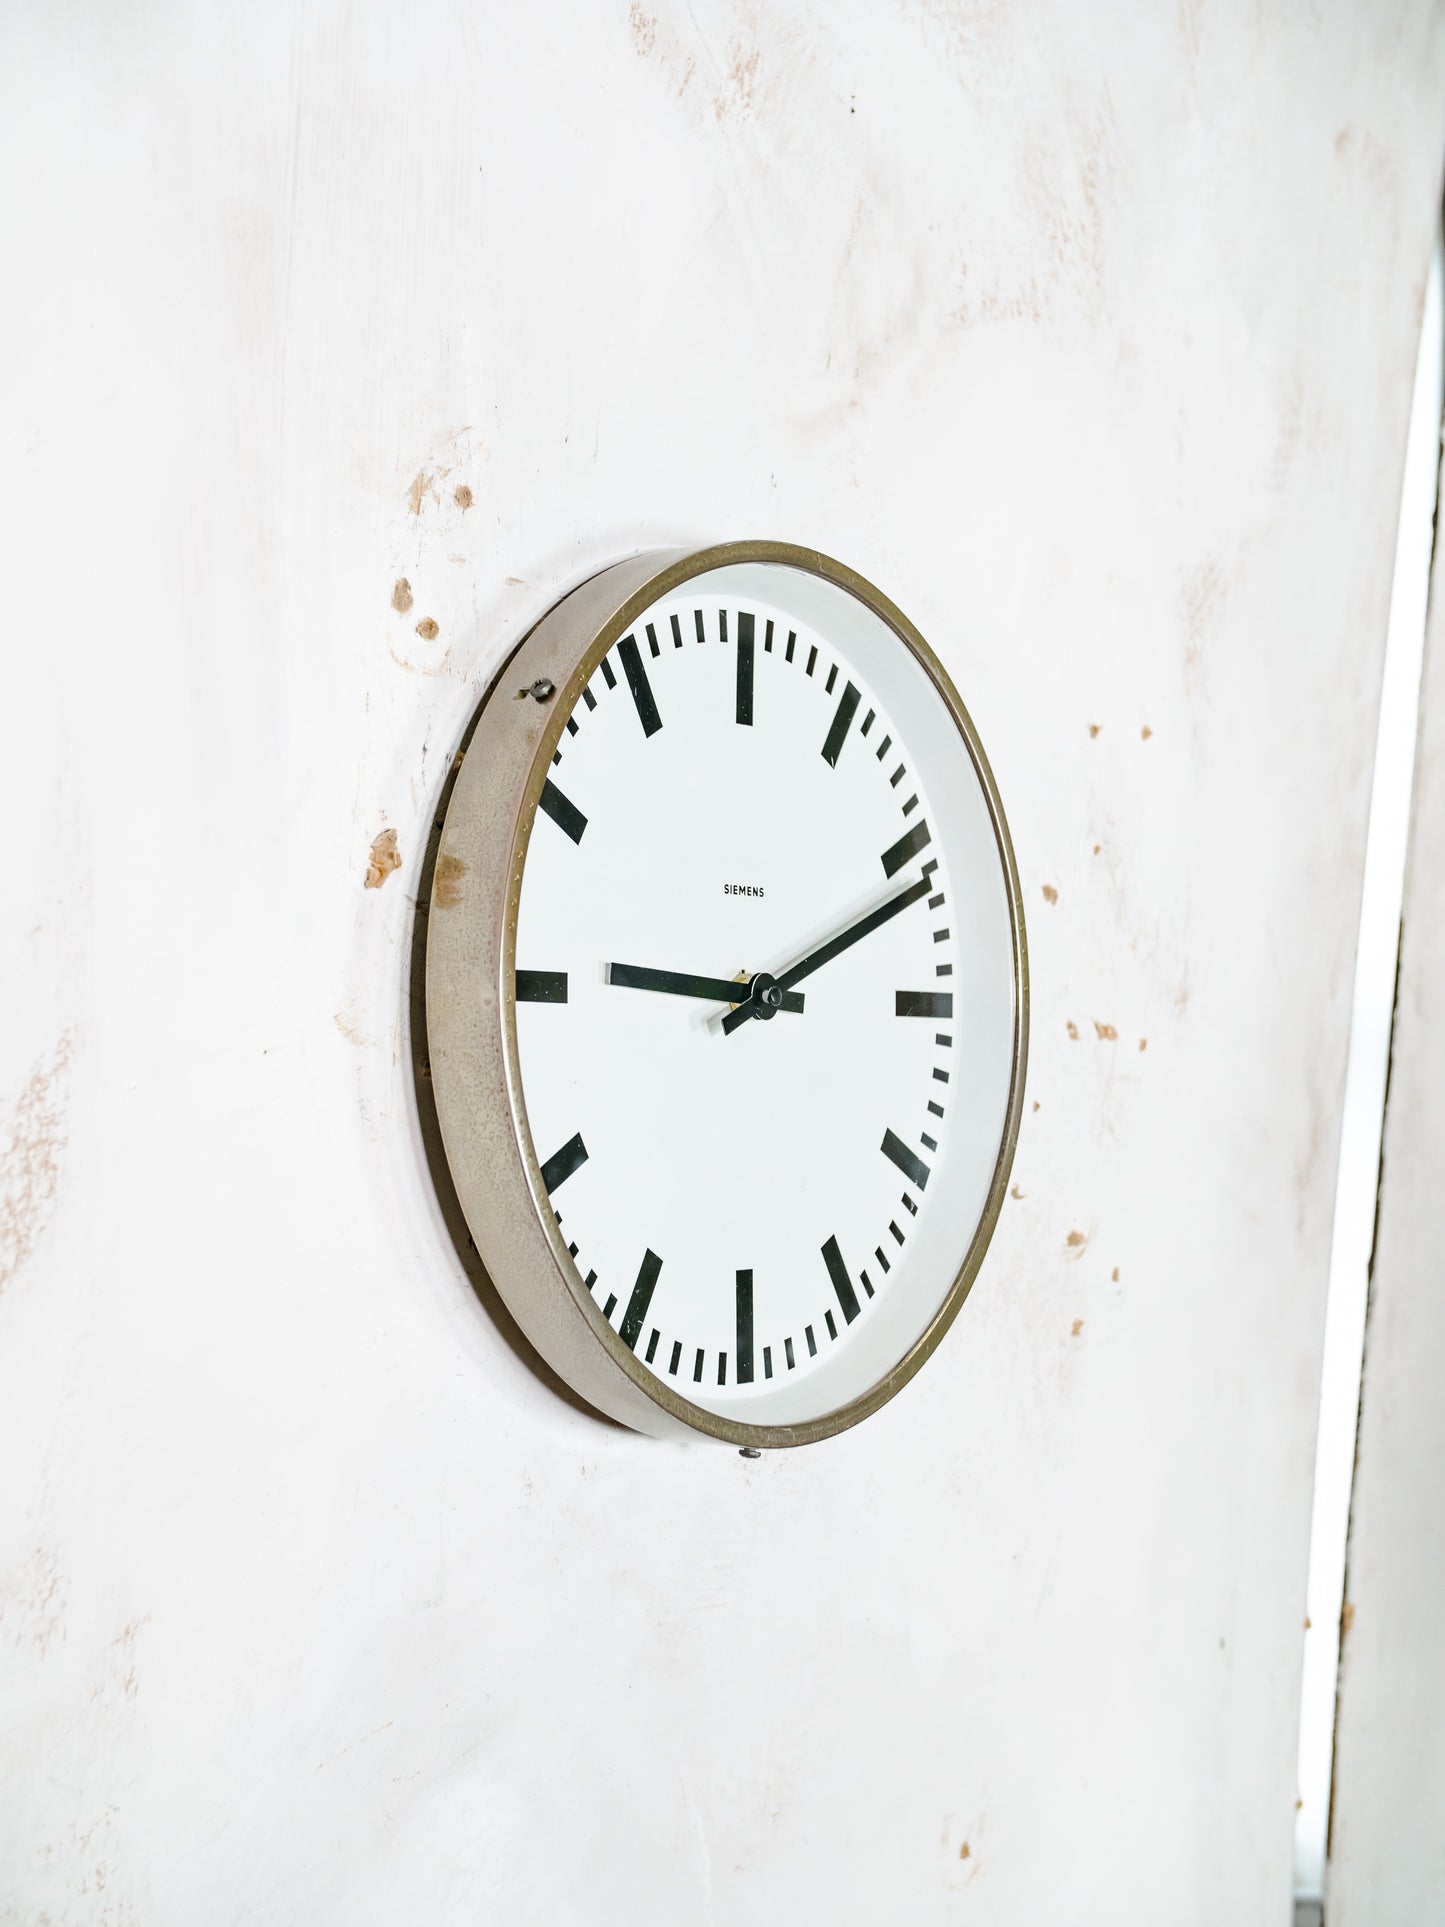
727, 994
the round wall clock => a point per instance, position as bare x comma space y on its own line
727, 994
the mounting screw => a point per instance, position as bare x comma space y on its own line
542, 690
749, 1452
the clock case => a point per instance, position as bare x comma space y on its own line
470, 1012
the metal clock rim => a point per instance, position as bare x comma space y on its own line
675, 570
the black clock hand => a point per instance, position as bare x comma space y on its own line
834, 947
717, 990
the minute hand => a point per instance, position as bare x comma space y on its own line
835, 946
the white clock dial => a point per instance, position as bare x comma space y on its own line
765, 993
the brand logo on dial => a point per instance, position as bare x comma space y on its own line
742, 889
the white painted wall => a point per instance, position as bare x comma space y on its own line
1088, 335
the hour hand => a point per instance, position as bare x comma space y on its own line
715, 990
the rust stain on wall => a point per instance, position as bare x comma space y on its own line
427, 629
447, 883
30, 1162
1106, 1033
401, 595
385, 857
32, 1604
1051, 895
462, 496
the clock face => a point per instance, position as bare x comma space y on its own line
765, 982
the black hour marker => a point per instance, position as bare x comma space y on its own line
560, 1166
652, 640
702, 637
940, 1077
897, 777
639, 685
842, 718
652, 1346
935, 1109
929, 1144
722, 624
697, 1367
828, 1321
563, 811
745, 668
866, 724
571, 725
923, 1003
933, 902
842, 1283
908, 1162
882, 1257
788, 1349
768, 637
572, 1251
588, 697
812, 1342
867, 1283
906, 848
556, 755
832, 678
722, 1368
677, 1342
942, 1037
941, 936
591, 1279
541, 986
788, 657
767, 1361
610, 1306
910, 806
812, 658
884, 747
897, 1234
745, 1327
677, 644
943, 970
909, 1206
641, 1298
607, 674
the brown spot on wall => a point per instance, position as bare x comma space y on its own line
1094, 729
1051, 895
1097, 848
401, 595
1143, 1043
446, 892
427, 629
1075, 1242
964, 1851
462, 496
1106, 1033
1116, 1274
1016, 1193
30, 1162
515, 582
1073, 1029
1076, 1328
644, 28
1145, 733
384, 859
1347, 1617
739, 82
1036, 1103
32, 1604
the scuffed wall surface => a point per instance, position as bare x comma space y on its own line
1387, 1843
342, 341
